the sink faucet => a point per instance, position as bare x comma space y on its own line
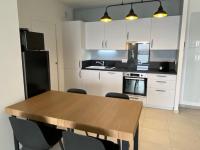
100, 62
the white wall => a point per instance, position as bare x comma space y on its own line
52, 11
11, 77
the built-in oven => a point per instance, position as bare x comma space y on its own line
135, 84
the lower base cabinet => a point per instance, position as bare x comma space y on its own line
161, 91
111, 82
101, 82
73, 79
91, 82
160, 98
160, 88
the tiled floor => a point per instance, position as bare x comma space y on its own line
165, 130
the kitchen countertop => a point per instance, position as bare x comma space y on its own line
153, 71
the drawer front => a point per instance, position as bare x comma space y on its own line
162, 77
162, 84
160, 98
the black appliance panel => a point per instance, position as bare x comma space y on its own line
36, 72
31, 40
135, 86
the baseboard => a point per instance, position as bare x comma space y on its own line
188, 106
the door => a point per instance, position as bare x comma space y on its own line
94, 35
115, 35
139, 30
111, 82
165, 33
49, 31
191, 94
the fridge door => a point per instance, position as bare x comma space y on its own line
36, 72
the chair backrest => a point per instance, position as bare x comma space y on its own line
80, 91
117, 95
28, 134
73, 141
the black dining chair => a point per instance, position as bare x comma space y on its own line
34, 135
74, 141
117, 95
79, 91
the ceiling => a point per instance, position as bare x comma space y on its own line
95, 3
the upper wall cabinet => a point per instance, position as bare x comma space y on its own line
94, 32
165, 33
139, 30
115, 35
106, 35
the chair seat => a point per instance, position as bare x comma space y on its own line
109, 145
74, 141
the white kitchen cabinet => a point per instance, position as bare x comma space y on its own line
161, 90
165, 33
115, 35
73, 79
139, 30
94, 35
91, 82
111, 82
100, 35
161, 98
73, 53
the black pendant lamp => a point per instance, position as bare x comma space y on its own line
131, 15
106, 18
160, 13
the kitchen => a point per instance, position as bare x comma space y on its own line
116, 52
150, 60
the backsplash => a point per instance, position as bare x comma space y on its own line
106, 54
164, 55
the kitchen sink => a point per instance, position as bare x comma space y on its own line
100, 67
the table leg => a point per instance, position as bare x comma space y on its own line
136, 139
16, 143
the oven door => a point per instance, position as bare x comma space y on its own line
135, 86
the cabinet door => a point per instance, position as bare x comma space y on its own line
73, 79
139, 30
115, 35
160, 98
73, 46
91, 82
165, 33
111, 82
94, 35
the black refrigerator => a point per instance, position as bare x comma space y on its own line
35, 62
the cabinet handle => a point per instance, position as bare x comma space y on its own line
161, 76
161, 81
106, 44
79, 64
127, 35
111, 72
99, 76
160, 91
80, 74
102, 44
152, 42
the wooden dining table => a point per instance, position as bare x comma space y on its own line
111, 117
